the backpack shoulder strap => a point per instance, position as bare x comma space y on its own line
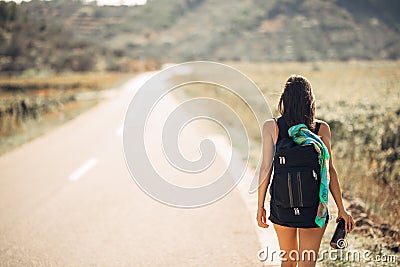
317, 126
276, 130
283, 128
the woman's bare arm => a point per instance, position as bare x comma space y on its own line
334, 184
268, 150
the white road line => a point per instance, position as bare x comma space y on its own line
84, 168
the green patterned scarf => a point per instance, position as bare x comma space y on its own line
301, 135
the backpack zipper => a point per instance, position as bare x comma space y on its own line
296, 211
300, 191
314, 175
290, 190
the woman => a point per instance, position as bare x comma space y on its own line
296, 106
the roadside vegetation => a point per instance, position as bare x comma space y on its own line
31, 106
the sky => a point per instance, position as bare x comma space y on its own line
103, 2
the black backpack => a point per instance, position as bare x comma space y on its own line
296, 180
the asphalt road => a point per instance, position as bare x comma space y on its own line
67, 199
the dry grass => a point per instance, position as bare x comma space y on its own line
72, 81
31, 106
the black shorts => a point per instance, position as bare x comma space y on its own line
286, 217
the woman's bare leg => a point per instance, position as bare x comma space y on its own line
287, 237
309, 242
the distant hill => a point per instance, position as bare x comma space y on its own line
181, 30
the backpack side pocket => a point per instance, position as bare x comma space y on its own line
282, 190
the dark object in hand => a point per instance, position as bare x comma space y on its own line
339, 237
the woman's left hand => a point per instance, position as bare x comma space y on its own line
349, 221
262, 218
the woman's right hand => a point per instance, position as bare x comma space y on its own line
262, 218
348, 219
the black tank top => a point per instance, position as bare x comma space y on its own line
283, 128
